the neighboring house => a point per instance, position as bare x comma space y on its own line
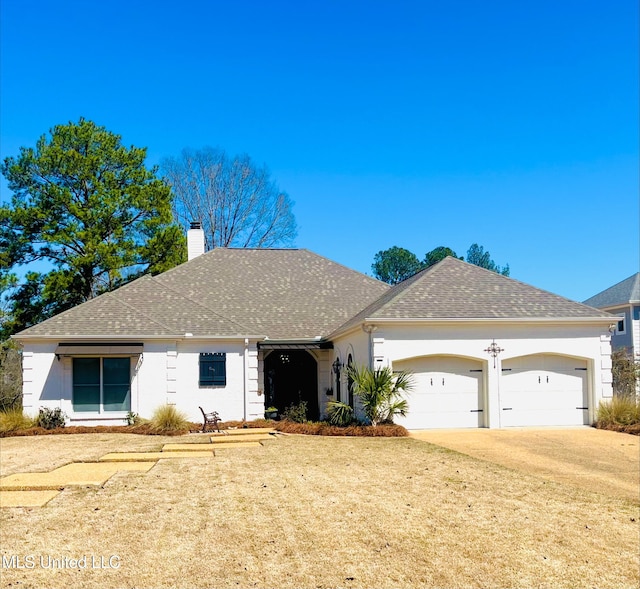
623, 300
239, 330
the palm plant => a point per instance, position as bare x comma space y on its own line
339, 413
381, 392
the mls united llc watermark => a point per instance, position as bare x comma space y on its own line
47, 561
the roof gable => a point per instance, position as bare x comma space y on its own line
453, 289
623, 293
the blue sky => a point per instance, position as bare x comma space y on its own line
409, 123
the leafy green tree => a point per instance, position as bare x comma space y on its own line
381, 392
89, 207
438, 254
476, 255
395, 265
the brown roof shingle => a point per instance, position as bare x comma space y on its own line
295, 294
453, 289
277, 293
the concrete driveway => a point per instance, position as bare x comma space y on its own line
597, 460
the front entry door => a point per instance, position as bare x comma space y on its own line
291, 376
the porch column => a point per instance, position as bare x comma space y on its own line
172, 374
492, 409
253, 402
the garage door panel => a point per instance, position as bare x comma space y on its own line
543, 390
434, 419
447, 393
546, 417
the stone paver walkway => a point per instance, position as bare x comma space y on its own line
155, 456
76, 474
36, 489
26, 498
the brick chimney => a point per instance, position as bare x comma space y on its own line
195, 240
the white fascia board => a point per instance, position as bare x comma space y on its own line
342, 332
481, 320
612, 308
476, 321
120, 338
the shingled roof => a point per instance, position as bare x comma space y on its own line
274, 293
623, 293
290, 294
453, 289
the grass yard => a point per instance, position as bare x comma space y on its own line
314, 512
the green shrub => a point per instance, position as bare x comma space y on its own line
50, 418
296, 413
620, 410
13, 420
339, 413
381, 392
167, 418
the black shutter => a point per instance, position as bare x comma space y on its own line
213, 370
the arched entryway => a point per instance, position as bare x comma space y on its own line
291, 376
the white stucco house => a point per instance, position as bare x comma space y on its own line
238, 330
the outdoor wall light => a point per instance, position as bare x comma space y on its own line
337, 365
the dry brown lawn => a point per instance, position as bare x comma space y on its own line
315, 512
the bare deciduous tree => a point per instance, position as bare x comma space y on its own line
236, 201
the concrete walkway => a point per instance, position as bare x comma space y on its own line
36, 489
596, 460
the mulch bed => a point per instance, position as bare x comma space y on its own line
324, 429
143, 429
289, 427
625, 429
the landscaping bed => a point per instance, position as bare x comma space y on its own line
325, 429
144, 429
633, 429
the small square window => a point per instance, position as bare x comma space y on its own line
213, 370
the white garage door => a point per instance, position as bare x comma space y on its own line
447, 392
543, 390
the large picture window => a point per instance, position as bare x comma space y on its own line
101, 384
